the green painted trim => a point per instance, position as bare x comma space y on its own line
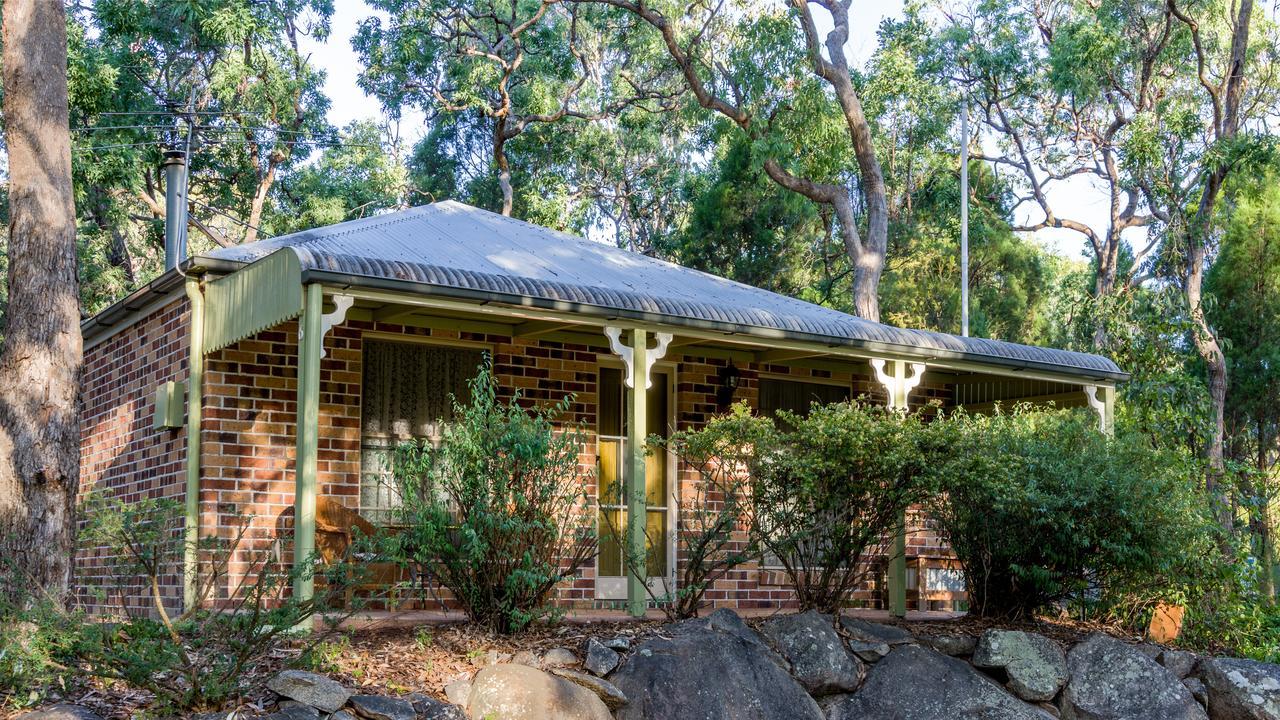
310, 340
638, 404
258, 296
898, 570
195, 408
898, 560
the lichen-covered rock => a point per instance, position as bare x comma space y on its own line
921, 684
1179, 662
605, 690
953, 645
819, 660
311, 689
519, 692
708, 669
428, 708
526, 657
1198, 691
1035, 666
868, 651
600, 659
620, 643
458, 690
1111, 680
377, 707
1241, 689
868, 631
559, 657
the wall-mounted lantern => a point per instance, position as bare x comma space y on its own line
730, 379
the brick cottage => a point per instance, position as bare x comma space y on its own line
193, 384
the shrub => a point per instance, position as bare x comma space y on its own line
830, 490
713, 509
1041, 508
34, 636
203, 657
498, 512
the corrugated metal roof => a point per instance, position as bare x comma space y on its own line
452, 245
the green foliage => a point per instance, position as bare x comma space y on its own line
714, 508
1041, 508
203, 657
497, 513
34, 638
829, 490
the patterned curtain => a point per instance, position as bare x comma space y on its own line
408, 394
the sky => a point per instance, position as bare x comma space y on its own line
1079, 198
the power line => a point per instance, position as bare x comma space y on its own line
232, 218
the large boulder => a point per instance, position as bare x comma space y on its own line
816, 652
1241, 689
1035, 666
520, 692
311, 689
714, 668
916, 683
1111, 680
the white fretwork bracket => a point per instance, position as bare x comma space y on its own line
1091, 392
627, 354
898, 393
341, 304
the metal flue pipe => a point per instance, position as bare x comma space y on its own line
175, 207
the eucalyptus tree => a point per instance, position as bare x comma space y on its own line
225, 79
504, 67
360, 176
41, 358
1068, 89
790, 88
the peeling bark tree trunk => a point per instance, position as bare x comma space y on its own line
42, 354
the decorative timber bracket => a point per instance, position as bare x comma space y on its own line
627, 353
898, 386
341, 304
1104, 406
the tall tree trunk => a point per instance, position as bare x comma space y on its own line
1204, 336
42, 354
501, 165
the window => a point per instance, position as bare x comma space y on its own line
613, 468
408, 393
796, 396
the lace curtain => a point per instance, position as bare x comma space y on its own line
408, 394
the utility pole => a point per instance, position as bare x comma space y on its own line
964, 218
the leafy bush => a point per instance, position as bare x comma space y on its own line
203, 657
498, 512
34, 636
830, 490
1041, 508
714, 535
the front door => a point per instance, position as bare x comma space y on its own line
612, 470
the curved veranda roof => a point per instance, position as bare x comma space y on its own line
455, 250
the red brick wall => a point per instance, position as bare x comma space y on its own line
250, 410
121, 455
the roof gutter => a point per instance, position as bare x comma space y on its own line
345, 280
